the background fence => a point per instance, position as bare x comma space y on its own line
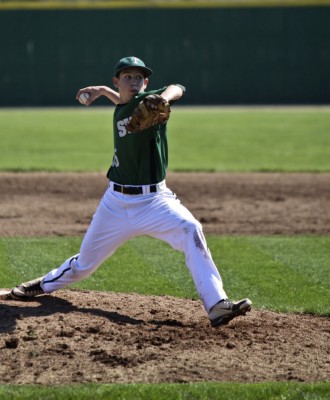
223, 55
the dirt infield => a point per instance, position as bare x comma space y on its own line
80, 336
63, 204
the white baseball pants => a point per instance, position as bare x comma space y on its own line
120, 217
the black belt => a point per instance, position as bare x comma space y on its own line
133, 189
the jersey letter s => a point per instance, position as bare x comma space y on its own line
121, 127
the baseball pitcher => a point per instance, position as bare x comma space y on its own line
137, 200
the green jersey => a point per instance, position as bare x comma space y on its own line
139, 158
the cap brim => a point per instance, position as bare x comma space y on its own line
146, 71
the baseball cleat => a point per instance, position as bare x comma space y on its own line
27, 289
225, 311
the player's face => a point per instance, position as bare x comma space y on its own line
130, 82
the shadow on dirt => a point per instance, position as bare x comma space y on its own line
51, 305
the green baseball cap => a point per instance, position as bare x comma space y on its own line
132, 62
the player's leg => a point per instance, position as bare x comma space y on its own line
167, 219
107, 231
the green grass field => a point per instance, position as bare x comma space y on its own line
211, 139
196, 391
288, 274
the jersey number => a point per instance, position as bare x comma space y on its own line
115, 161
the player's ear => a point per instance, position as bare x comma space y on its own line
146, 81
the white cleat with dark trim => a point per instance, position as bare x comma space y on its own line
28, 289
224, 311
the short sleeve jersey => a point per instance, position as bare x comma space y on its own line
140, 158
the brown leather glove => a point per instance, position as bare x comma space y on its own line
152, 110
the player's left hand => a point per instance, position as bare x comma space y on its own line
152, 110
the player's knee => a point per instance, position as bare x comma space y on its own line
191, 226
194, 235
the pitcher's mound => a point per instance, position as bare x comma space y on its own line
85, 336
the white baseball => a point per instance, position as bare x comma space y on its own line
84, 97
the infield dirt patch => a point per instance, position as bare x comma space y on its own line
80, 336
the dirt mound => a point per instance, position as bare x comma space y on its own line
76, 336
43, 204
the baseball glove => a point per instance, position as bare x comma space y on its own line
152, 110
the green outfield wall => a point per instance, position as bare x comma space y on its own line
223, 55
